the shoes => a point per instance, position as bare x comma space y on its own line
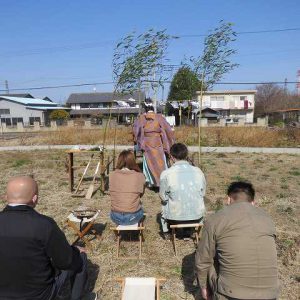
97, 296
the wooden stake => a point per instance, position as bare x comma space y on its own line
90, 190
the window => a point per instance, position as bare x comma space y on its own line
217, 102
6, 121
4, 111
15, 121
243, 98
217, 98
84, 105
94, 105
34, 119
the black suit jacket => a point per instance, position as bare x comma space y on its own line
31, 248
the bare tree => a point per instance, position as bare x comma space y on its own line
271, 97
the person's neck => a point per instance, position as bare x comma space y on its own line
240, 201
178, 160
14, 204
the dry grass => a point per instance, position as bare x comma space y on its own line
228, 136
276, 178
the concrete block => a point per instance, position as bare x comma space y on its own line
241, 122
203, 122
87, 124
70, 123
36, 126
3, 127
20, 127
53, 125
222, 122
262, 122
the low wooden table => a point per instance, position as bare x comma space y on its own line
104, 167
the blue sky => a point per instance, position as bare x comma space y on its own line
57, 42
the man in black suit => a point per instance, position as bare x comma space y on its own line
33, 249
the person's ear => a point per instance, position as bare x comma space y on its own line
228, 202
35, 200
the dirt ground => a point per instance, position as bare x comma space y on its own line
275, 177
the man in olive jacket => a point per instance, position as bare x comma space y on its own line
236, 256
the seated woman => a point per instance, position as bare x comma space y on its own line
126, 187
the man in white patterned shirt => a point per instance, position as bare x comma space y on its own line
182, 190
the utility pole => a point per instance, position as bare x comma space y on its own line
6, 87
285, 85
298, 83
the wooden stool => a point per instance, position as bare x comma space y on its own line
133, 287
86, 224
138, 227
197, 227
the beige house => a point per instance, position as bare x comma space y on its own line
232, 105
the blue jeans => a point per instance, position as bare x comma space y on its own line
126, 218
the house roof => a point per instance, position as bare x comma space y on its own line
47, 107
47, 99
29, 101
227, 92
287, 110
18, 95
101, 97
122, 110
207, 112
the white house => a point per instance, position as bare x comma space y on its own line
234, 104
25, 110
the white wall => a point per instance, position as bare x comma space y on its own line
20, 111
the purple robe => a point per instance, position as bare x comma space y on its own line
154, 136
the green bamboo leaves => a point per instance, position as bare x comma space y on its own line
137, 57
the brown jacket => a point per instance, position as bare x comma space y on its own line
126, 187
240, 239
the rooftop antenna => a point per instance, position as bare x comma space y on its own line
6, 87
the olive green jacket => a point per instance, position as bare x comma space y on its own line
240, 240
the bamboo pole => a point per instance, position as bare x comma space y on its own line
199, 120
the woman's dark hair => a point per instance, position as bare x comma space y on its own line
126, 160
179, 151
149, 107
239, 189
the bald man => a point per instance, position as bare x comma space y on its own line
33, 249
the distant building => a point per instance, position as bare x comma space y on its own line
47, 99
88, 105
18, 95
26, 110
233, 104
286, 116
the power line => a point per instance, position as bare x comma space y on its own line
91, 45
58, 86
245, 32
153, 81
